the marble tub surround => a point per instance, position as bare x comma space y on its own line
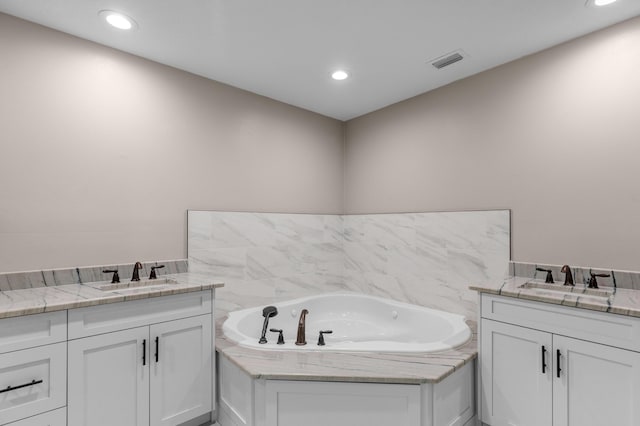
264, 258
581, 275
36, 300
427, 259
622, 301
84, 274
347, 367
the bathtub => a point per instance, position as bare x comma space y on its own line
359, 323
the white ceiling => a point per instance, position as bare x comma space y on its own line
286, 49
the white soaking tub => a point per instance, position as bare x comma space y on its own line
358, 322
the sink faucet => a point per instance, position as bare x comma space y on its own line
301, 339
136, 271
568, 276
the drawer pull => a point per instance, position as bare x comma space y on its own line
10, 388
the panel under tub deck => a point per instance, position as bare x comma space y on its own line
291, 403
454, 398
236, 395
245, 401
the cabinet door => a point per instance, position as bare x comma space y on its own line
181, 374
598, 384
515, 390
108, 383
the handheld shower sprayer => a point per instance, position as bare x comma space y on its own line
268, 312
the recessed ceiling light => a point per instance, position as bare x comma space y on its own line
340, 75
118, 20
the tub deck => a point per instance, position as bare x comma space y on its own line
365, 367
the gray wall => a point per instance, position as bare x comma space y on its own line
102, 153
553, 136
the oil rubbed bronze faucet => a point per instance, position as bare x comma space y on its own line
568, 276
549, 278
268, 312
136, 271
153, 275
593, 283
116, 278
301, 339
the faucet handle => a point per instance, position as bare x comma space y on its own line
280, 336
321, 337
152, 275
568, 276
593, 283
549, 278
116, 278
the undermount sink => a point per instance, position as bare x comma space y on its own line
136, 284
578, 290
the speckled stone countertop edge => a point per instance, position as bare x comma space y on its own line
358, 367
30, 301
622, 302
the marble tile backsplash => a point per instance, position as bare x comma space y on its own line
87, 274
581, 275
428, 259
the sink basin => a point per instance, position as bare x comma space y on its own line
578, 290
136, 284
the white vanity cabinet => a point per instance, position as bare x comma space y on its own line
33, 375
141, 363
543, 364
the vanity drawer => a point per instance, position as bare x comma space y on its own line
21, 397
84, 322
609, 329
52, 418
32, 330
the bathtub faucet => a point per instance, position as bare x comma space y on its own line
302, 340
268, 312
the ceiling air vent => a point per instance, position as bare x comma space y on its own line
447, 60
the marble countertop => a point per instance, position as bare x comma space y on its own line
29, 301
620, 301
407, 368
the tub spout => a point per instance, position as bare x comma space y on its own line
301, 339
